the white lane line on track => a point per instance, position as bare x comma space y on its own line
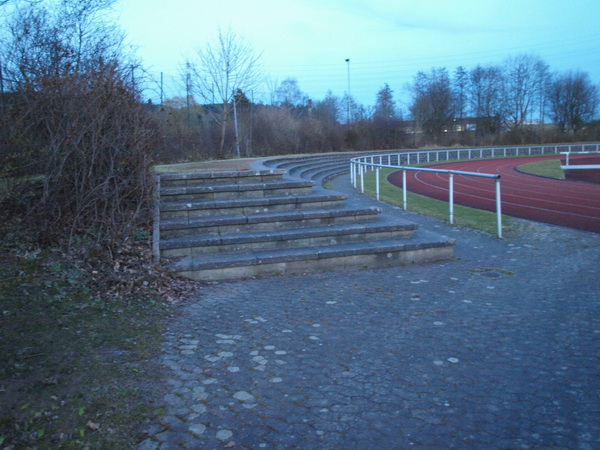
567, 194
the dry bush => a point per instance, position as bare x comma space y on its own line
73, 123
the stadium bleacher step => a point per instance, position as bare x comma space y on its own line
284, 238
363, 255
191, 209
264, 221
238, 224
237, 190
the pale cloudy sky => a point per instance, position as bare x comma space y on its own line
386, 41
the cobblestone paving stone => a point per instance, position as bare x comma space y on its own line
498, 348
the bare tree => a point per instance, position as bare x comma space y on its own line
386, 125
220, 69
542, 83
573, 101
328, 109
6, 2
486, 99
460, 84
432, 103
385, 106
288, 94
357, 111
521, 88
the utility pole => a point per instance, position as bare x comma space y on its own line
235, 123
187, 90
161, 89
249, 146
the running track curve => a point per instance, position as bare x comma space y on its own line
572, 204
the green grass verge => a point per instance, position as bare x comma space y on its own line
550, 169
463, 216
74, 363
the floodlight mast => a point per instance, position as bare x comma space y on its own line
348, 94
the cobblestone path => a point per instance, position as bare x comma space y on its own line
497, 349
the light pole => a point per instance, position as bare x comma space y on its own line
348, 95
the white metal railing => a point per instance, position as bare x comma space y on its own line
586, 166
402, 161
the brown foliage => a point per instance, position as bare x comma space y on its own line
74, 125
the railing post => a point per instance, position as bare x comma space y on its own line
451, 197
362, 178
404, 189
156, 221
498, 208
377, 182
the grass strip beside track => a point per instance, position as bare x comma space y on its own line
550, 169
463, 215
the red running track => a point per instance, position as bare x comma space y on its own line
570, 204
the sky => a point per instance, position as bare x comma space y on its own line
386, 41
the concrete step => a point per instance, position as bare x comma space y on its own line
264, 221
221, 177
238, 190
327, 172
361, 255
314, 168
287, 238
309, 171
291, 163
190, 210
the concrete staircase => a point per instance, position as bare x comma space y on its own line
238, 224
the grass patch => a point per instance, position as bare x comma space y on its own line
74, 363
550, 168
463, 215
202, 166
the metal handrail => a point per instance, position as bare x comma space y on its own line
359, 165
568, 154
362, 166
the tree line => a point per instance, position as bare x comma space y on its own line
518, 101
78, 142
